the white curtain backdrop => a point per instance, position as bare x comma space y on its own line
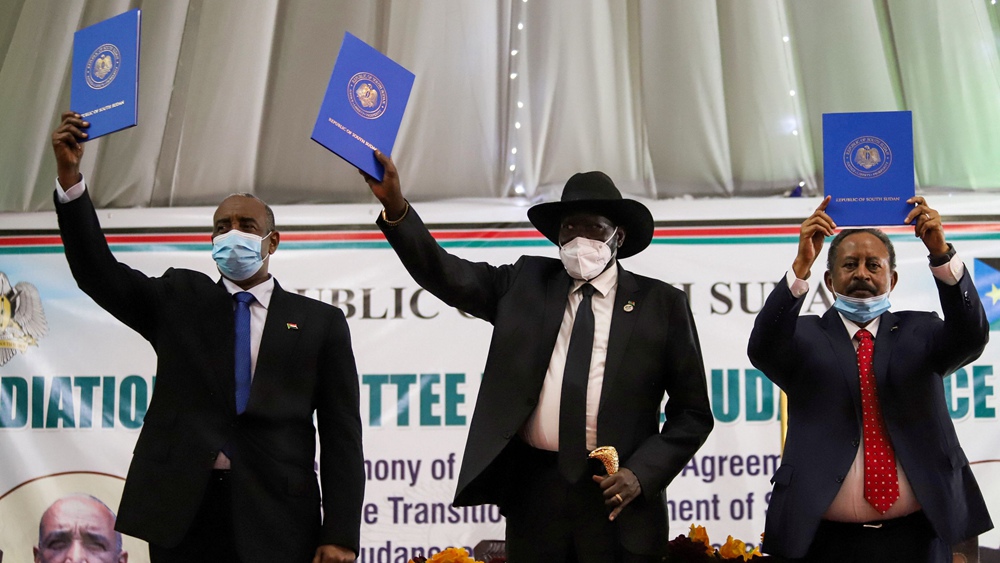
670, 97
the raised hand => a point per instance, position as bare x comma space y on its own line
388, 190
928, 226
68, 147
814, 229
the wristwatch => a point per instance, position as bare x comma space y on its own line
942, 259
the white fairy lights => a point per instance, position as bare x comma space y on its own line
516, 89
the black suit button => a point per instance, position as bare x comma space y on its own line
213, 455
856, 442
508, 435
840, 478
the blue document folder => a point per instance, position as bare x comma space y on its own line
105, 87
363, 106
868, 167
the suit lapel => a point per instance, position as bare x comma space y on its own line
277, 344
622, 323
846, 356
556, 294
887, 334
218, 345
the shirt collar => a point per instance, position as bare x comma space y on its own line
603, 283
261, 292
853, 328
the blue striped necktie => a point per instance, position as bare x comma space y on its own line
243, 301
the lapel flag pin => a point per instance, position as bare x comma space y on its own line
291, 326
629, 307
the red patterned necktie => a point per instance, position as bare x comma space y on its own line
881, 484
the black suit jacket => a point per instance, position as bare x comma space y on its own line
651, 350
188, 319
813, 360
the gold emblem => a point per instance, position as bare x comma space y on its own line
22, 321
866, 157
629, 307
102, 68
367, 95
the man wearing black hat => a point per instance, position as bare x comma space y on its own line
581, 356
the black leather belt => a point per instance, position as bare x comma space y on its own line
911, 518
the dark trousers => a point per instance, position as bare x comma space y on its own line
909, 538
211, 535
550, 520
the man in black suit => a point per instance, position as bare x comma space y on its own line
224, 470
872, 469
549, 396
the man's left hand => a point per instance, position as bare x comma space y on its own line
928, 226
333, 554
619, 490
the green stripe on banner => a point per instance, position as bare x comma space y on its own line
982, 236
31, 250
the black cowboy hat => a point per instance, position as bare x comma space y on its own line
594, 192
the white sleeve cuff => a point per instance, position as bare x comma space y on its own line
73, 192
795, 285
951, 272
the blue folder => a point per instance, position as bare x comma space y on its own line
105, 86
868, 167
363, 106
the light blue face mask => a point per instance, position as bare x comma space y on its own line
861, 310
238, 255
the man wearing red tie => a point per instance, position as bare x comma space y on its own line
872, 469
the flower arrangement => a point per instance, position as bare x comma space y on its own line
696, 548
454, 555
692, 548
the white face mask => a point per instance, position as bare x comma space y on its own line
584, 258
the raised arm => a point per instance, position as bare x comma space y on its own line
965, 331
770, 346
127, 294
473, 287
813, 231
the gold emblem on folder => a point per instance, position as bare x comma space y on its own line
867, 157
103, 65
367, 95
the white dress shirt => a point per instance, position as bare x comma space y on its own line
541, 430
